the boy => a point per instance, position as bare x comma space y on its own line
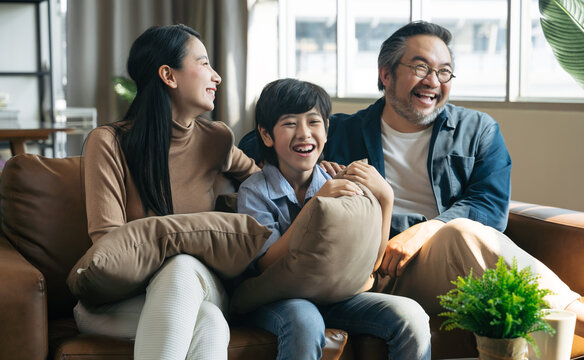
291, 124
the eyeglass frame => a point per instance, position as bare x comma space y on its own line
430, 70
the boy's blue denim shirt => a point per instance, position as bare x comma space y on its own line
270, 199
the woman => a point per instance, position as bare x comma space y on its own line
162, 159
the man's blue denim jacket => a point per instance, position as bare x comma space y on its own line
468, 161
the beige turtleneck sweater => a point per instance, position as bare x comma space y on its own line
197, 154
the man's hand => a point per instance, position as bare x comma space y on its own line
402, 248
332, 168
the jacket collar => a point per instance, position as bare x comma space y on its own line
372, 134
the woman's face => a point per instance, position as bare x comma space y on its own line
196, 81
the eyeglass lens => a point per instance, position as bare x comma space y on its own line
422, 71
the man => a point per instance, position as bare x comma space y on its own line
449, 168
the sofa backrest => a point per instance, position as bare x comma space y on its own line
553, 235
43, 215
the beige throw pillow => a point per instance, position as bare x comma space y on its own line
332, 252
120, 264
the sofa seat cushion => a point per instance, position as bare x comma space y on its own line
95, 347
246, 343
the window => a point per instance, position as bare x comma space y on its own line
335, 44
479, 44
311, 41
365, 31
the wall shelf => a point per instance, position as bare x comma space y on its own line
22, 1
43, 64
25, 73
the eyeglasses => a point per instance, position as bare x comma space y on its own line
423, 70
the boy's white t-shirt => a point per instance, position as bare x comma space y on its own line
406, 156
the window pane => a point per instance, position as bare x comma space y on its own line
316, 42
369, 23
479, 44
544, 77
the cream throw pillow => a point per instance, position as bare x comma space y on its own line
332, 251
120, 264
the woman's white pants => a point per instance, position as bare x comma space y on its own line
181, 316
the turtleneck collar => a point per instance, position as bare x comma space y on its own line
180, 131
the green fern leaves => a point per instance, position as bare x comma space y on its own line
503, 303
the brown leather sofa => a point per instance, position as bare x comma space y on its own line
43, 233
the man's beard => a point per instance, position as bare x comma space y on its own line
407, 110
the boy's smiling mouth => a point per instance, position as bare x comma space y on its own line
304, 148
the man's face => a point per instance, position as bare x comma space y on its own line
419, 100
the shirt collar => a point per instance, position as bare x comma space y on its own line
445, 119
278, 186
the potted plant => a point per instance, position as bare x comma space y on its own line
501, 308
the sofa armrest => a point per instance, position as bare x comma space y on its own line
23, 309
555, 236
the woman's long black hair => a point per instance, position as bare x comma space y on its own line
145, 139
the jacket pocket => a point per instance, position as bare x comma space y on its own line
459, 172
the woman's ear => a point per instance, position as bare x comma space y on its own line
266, 138
166, 74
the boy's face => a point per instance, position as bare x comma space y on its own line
298, 141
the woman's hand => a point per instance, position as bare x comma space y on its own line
339, 187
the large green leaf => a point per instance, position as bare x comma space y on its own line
562, 22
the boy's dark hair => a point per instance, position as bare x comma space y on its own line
394, 47
287, 96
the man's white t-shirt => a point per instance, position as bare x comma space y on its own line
406, 157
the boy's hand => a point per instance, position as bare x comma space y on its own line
332, 168
369, 176
339, 187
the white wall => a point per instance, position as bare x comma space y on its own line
547, 149
546, 143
